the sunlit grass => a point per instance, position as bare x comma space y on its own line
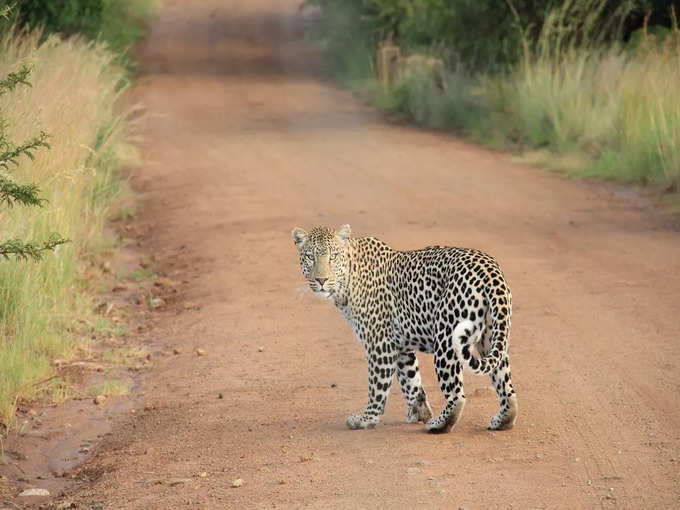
75, 86
143, 273
108, 388
124, 355
615, 107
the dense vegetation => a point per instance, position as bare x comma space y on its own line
118, 23
484, 34
585, 83
67, 99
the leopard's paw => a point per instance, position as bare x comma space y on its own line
437, 425
506, 419
361, 421
419, 412
447, 419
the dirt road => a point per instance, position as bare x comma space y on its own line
246, 141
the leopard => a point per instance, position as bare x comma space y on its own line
451, 302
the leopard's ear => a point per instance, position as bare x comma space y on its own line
344, 232
299, 236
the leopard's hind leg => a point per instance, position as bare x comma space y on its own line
449, 368
507, 399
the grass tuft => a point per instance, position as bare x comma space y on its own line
108, 388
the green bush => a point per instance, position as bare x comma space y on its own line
481, 35
64, 16
347, 38
118, 23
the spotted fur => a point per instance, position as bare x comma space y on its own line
453, 302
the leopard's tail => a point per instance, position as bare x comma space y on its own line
466, 335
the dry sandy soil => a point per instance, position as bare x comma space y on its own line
245, 140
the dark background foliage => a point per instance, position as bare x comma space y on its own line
117, 22
484, 35
66, 16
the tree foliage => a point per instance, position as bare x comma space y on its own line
26, 194
65, 16
486, 35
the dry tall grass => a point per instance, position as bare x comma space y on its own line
574, 101
618, 108
75, 86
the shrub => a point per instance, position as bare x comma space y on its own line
481, 35
119, 23
64, 16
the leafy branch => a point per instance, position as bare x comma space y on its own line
12, 192
24, 194
15, 78
9, 153
31, 250
6, 10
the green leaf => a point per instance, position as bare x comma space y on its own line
14, 79
23, 194
11, 153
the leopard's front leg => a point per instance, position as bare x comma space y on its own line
382, 361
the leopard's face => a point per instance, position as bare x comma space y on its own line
324, 258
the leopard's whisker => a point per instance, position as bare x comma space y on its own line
301, 291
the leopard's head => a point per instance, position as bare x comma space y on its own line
324, 258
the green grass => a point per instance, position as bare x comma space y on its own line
108, 388
611, 108
102, 327
124, 355
75, 87
141, 274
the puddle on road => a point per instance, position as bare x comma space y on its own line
50, 444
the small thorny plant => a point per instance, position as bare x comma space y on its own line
27, 194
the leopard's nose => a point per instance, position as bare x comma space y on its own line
322, 281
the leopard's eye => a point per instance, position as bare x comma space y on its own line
333, 256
